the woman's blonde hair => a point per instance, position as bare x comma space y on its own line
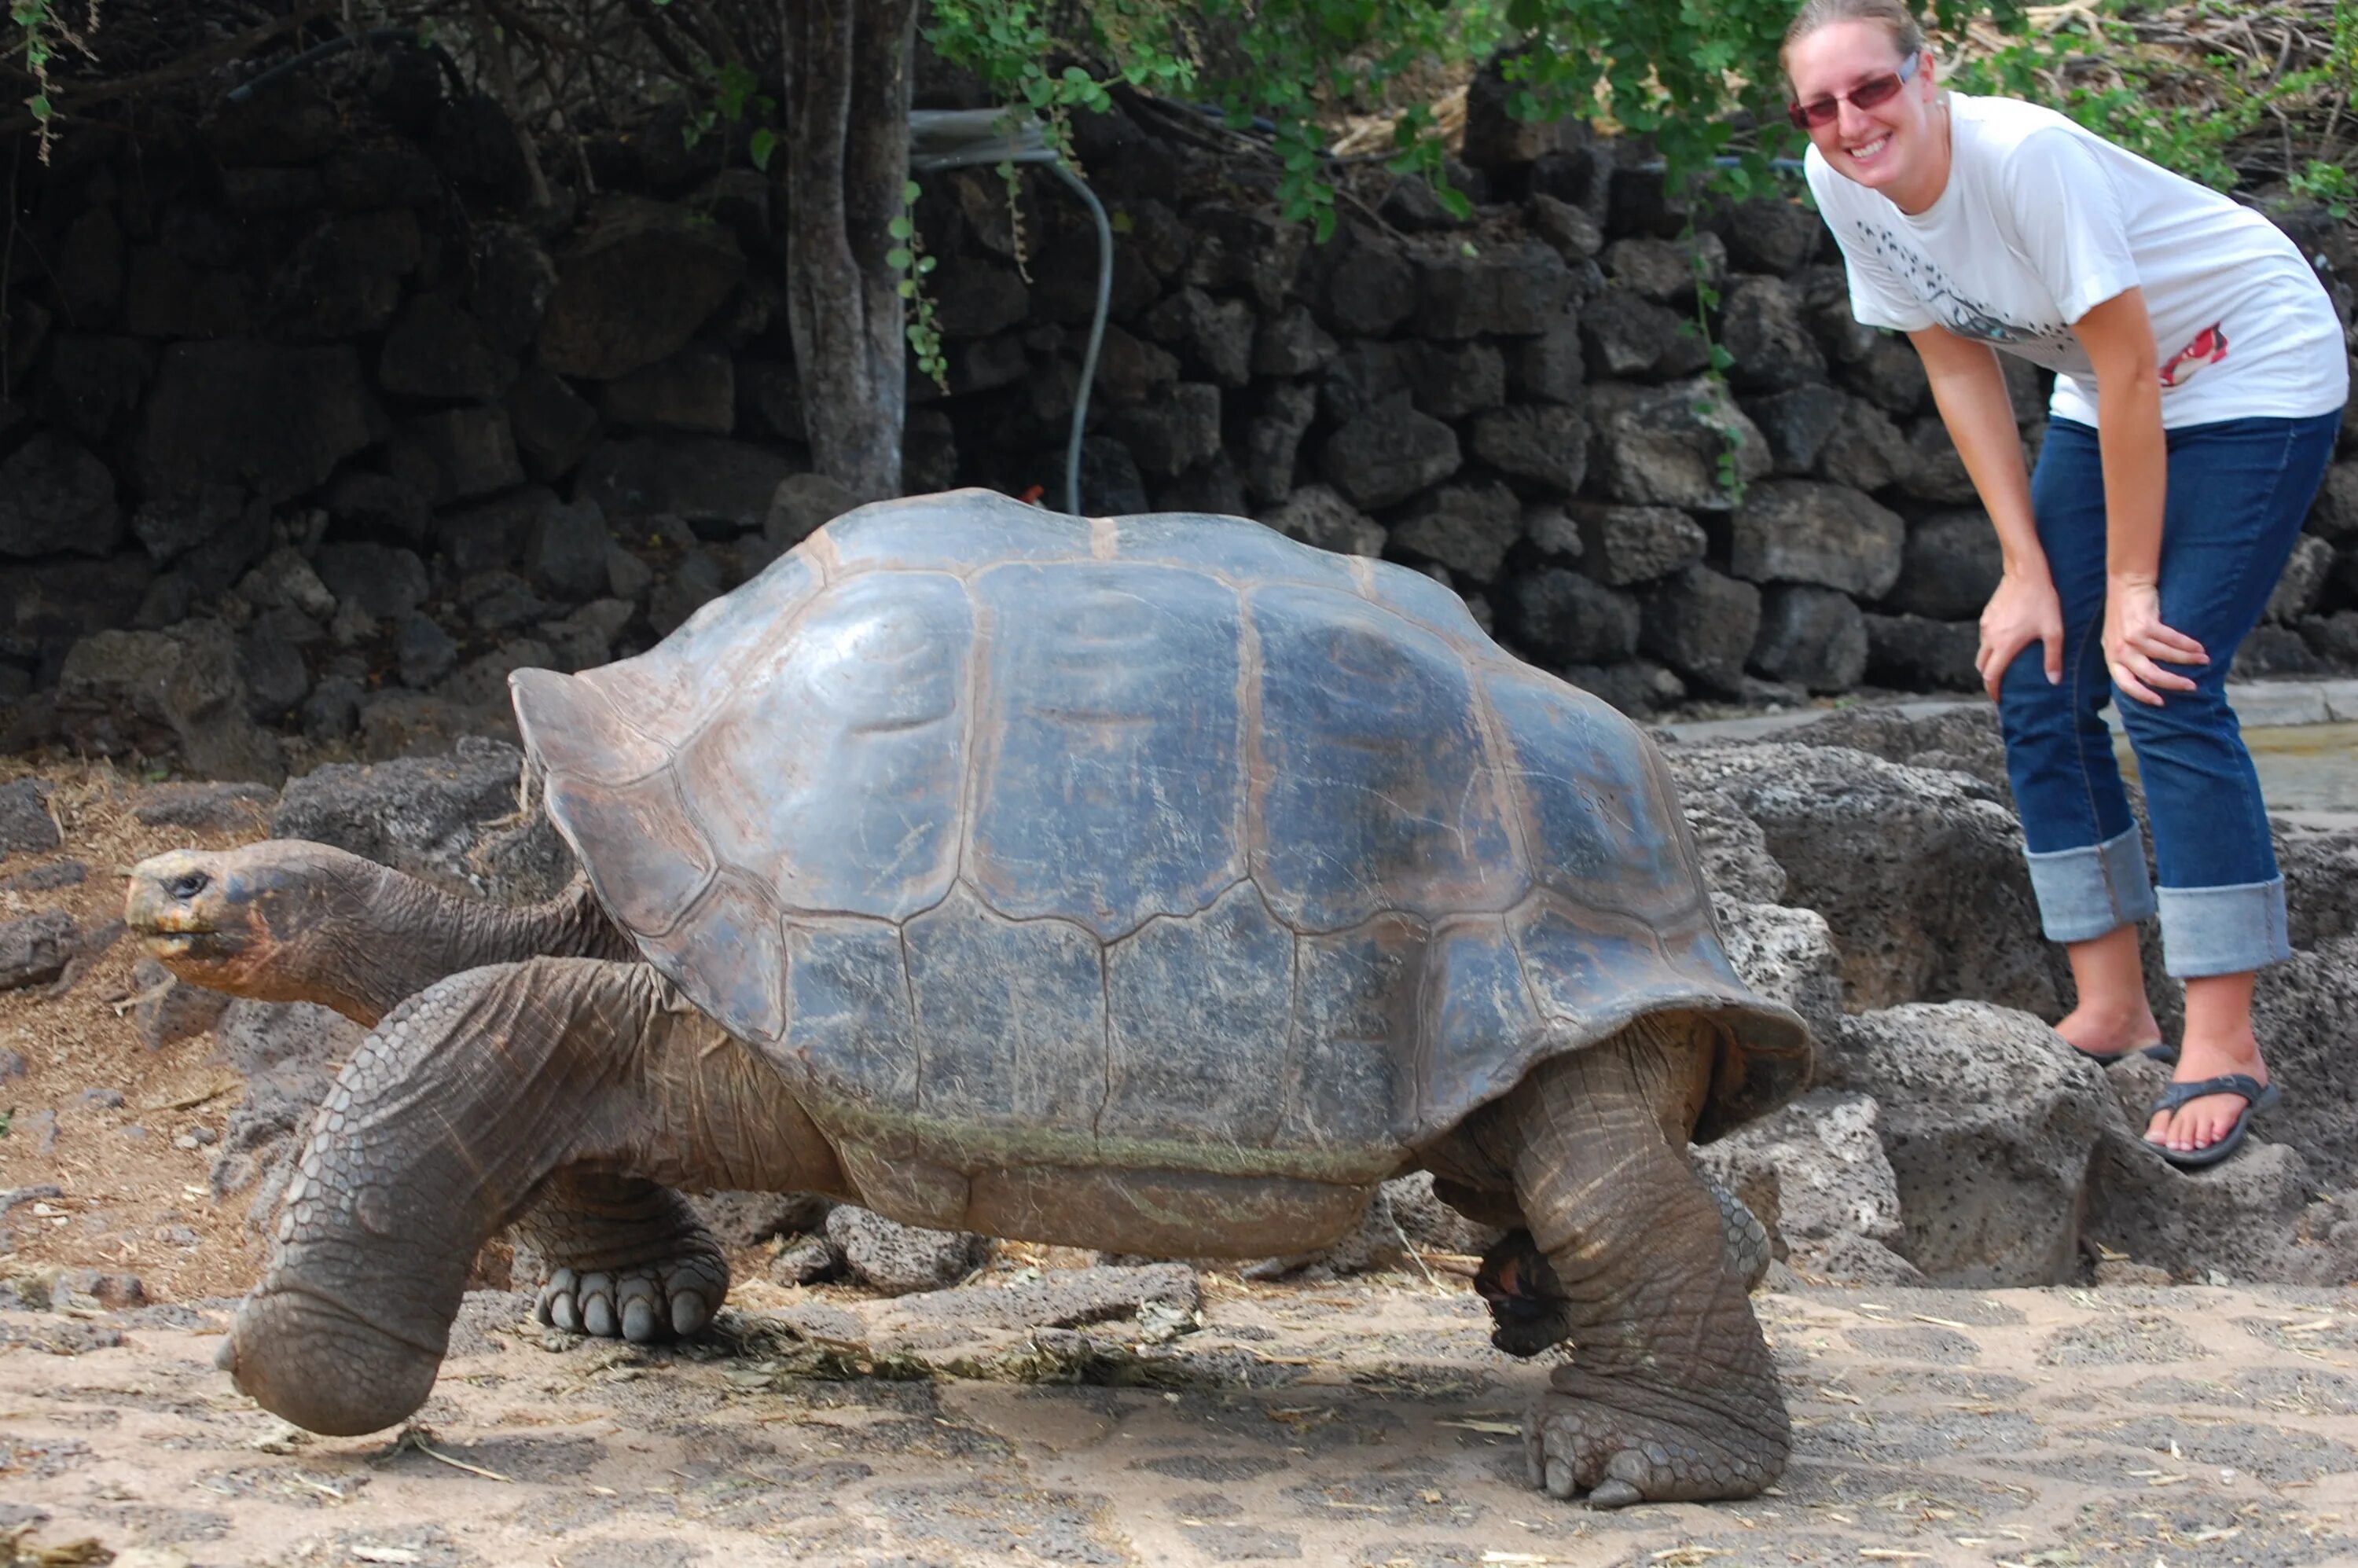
1892, 15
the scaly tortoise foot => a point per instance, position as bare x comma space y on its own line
674, 1298
1574, 1442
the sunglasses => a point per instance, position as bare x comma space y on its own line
1874, 90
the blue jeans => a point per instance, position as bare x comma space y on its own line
2238, 491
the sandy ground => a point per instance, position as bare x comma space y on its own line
1361, 1423
133, 1176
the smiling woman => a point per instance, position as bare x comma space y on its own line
2199, 378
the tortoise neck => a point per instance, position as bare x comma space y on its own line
416, 934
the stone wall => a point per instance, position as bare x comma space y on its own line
314, 423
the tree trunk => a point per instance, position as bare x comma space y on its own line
846, 155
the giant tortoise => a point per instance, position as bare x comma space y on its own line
1157, 884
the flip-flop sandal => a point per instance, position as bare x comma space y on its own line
2157, 1051
2256, 1096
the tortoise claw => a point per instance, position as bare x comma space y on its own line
638, 1299
671, 1300
556, 1306
598, 1305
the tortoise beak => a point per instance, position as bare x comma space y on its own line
165, 905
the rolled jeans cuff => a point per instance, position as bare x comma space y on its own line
2223, 930
2087, 892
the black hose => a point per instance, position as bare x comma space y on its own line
1097, 332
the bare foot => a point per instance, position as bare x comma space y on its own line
2200, 1123
2096, 1030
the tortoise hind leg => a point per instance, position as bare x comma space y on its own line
1670, 1395
1530, 1312
628, 1258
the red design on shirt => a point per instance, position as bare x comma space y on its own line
2209, 347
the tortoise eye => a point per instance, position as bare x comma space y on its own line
188, 884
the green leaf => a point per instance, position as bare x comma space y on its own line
910, 192
900, 227
764, 142
897, 258
39, 105
732, 88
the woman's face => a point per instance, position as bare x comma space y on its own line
1893, 144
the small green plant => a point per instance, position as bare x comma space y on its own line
1717, 363
2327, 184
908, 258
1056, 130
44, 31
2186, 115
1015, 184
736, 98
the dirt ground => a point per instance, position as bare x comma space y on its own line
1362, 1422
133, 1178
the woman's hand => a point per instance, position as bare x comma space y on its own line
2135, 640
2023, 610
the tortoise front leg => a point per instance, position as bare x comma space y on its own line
1670, 1395
448, 1122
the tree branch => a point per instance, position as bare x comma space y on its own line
494, 44
70, 96
659, 33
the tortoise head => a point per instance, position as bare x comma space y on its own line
279, 921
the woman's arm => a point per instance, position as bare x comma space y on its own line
2118, 338
1970, 390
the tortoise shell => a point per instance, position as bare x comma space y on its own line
1155, 842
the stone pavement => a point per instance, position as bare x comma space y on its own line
1362, 1423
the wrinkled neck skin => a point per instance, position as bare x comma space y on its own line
397, 935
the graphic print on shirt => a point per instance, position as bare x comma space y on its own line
1960, 312
2209, 347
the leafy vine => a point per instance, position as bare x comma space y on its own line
44, 32
908, 258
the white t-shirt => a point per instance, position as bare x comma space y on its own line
2041, 221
